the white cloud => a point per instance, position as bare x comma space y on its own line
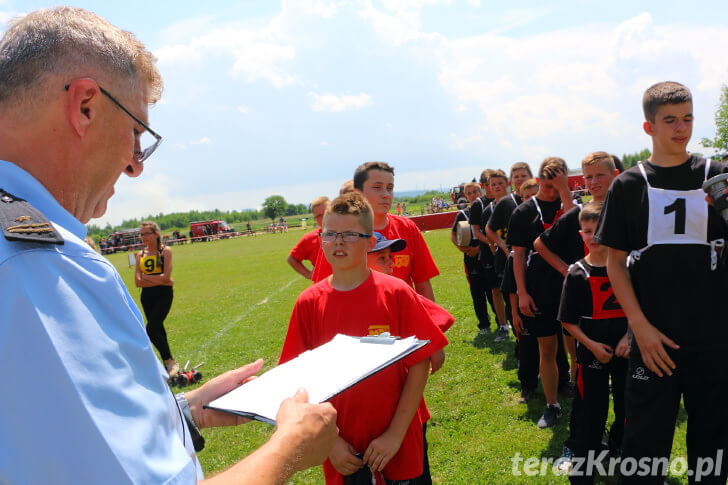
202, 141
334, 103
257, 53
324, 143
325, 9
474, 3
243, 109
179, 146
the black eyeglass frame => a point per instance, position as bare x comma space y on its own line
325, 235
139, 156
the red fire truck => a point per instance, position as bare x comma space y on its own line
208, 229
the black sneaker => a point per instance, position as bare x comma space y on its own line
550, 415
501, 334
566, 461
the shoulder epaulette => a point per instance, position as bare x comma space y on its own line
20, 221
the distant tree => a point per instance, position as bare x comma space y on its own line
631, 159
274, 206
720, 141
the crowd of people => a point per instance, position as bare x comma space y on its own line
556, 272
621, 294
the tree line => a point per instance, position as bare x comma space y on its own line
177, 220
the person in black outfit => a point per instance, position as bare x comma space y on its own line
666, 272
539, 285
474, 271
593, 316
485, 255
154, 276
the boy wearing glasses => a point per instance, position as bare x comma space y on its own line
378, 421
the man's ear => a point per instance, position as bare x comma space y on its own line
81, 104
647, 126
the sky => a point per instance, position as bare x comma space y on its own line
264, 97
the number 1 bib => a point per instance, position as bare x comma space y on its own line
676, 216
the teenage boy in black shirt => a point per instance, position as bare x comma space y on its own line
539, 285
485, 255
526, 344
591, 313
562, 245
474, 271
672, 285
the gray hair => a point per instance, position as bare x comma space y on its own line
67, 41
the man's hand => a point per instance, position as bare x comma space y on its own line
651, 343
472, 251
381, 450
602, 352
309, 429
622, 349
344, 458
214, 388
560, 180
436, 361
526, 305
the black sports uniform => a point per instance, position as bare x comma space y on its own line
498, 223
587, 299
564, 239
659, 215
543, 283
485, 255
475, 273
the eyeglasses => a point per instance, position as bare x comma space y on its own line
347, 236
141, 155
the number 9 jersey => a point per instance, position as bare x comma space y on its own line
659, 216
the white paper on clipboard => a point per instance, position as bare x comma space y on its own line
324, 372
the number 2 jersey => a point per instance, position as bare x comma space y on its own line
587, 299
658, 215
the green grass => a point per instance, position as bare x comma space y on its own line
232, 303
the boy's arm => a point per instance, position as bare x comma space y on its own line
385, 446
424, 288
479, 234
651, 341
602, 352
515, 316
497, 239
525, 302
299, 267
551, 258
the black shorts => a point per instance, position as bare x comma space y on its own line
542, 325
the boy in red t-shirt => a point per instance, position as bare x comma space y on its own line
309, 247
415, 264
378, 421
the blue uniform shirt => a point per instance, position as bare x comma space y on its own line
85, 398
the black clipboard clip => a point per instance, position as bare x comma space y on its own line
383, 338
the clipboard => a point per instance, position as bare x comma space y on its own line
324, 372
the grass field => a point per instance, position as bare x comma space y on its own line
233, 299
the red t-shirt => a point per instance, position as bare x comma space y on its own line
380, 304
308, 247
414, 264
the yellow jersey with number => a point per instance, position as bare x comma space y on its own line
152, 265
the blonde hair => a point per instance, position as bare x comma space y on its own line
551, 163
470, 185
319, 201
599, 158
352, 204
498, 174
591, 211
70, 42
346, 187
529, 184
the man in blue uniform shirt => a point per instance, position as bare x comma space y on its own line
89, 402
